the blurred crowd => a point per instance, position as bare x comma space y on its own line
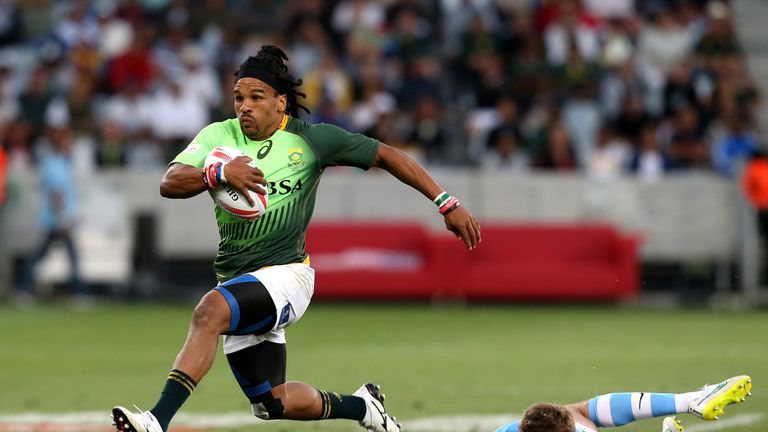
602, 87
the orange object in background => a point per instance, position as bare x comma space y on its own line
754, 182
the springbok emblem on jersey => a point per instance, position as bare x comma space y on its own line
296, 159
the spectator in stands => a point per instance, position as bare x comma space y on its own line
682, 91
530, 75
505, 152
508, 123
739, 94
200, 80
664, 40
18, 139
374, 100
111, 148
309, 44
580, 112
688, 147
76, 108
731, 151
536, 124
9, 106
558, 155
428, 132
10, 25
621, 79
34, 100
36, 18
353, 15
610, 157
648, 161
421, 80
719, 39
632, 118
116, 33
411, 35
175, 116
478, 44
134, 67
79, 26
130, 107
167, 50
572, 32
59, 215
134, 12
457, 17
329, 83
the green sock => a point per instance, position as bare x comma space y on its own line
342, 406
177, 389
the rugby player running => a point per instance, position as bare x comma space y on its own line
264, 273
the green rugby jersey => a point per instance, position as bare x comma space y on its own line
292, 160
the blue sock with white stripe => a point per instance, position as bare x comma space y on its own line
618, 409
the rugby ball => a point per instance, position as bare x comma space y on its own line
229, 199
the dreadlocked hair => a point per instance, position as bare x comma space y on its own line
272, 59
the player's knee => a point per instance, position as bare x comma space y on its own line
211, 313
268, 408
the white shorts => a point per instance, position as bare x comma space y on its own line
291, 287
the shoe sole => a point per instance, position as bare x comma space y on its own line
670, 424
120, 420
737, 392
375, 391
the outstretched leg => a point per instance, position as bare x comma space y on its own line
260, 371
617, 409
210, 319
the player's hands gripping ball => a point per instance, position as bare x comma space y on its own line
240, 188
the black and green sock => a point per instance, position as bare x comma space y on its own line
341, 406
177, 389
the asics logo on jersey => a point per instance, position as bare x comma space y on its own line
264, 150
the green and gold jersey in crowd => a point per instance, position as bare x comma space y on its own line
292, 160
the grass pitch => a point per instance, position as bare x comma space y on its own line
430, 361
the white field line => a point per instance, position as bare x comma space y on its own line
737, 420
100, 420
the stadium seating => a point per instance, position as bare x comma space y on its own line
369, 261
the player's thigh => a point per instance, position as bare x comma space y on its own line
291, 287
259, 368
252, 310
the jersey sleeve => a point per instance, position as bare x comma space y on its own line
336, 146
205, 141
509, 427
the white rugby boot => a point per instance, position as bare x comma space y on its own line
713, 399
671, 424
376, 418
126, 421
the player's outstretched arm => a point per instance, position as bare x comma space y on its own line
182, 181
404, 168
